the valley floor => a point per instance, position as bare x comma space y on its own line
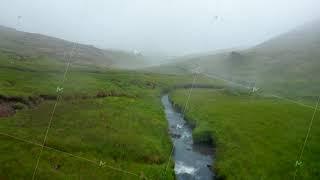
107, 124
110, 124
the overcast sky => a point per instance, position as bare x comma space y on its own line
174, 27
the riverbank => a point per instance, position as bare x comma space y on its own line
191, 160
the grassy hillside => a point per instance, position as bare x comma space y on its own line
21, 45
287, 64
255, 137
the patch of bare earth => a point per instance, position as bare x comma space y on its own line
6, 110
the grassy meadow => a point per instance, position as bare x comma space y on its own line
255, 137
111, 116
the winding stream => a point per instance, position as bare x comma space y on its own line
191, 161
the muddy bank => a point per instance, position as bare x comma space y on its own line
9, 105
188, 86
6, 110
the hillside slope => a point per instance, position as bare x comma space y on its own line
288, 64
22, 45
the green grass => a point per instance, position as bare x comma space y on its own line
255, 137
127, 133
126, 129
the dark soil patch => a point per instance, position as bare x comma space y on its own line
6, 110
9, 105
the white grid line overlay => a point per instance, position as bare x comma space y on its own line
298, 162
59, 95
272, 95
69, 154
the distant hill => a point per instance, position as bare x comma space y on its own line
23, 45
287, 64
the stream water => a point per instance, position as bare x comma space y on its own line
191, 161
